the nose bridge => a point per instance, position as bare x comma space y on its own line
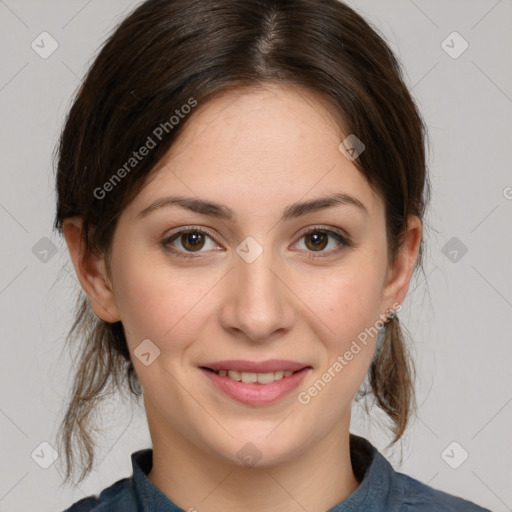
259, 303
258, 283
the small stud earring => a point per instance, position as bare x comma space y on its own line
390, 313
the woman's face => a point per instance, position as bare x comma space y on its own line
250, 285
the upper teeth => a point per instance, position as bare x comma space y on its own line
250, 377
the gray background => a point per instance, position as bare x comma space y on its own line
459, 317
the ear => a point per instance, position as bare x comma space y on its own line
91, 272
400, 272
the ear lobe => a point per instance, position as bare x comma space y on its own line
400, 273
91, 272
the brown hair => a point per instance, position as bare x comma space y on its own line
168, 52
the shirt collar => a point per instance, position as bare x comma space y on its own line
149, 498
375, 476
371, 469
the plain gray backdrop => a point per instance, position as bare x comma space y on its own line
459, 317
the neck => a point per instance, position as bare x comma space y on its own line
317, 479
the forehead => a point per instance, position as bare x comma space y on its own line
260, 147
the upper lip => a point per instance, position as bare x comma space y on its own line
271, 365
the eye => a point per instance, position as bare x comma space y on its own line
193, 240
317, 239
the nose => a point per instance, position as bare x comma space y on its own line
259, 301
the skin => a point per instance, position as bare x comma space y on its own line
254, 151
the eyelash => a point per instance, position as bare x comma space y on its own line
342, 239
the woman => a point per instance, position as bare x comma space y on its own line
242, 187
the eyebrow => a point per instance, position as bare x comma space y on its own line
220, 211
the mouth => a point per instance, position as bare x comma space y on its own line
254, 377
255, 388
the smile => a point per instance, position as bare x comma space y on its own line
253, 378
252, 388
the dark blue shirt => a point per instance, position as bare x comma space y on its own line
381, 489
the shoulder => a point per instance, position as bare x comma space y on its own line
119, 497
382, 488
413, 495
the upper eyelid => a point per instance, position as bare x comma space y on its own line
186, 229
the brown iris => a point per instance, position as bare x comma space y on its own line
319, 238
195, 238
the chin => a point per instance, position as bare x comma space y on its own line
259, 450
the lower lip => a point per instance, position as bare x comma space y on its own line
257, 394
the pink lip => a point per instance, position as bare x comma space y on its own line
256, 394
271, 365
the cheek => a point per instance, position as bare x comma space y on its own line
350, 307
158, 303
351, 300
